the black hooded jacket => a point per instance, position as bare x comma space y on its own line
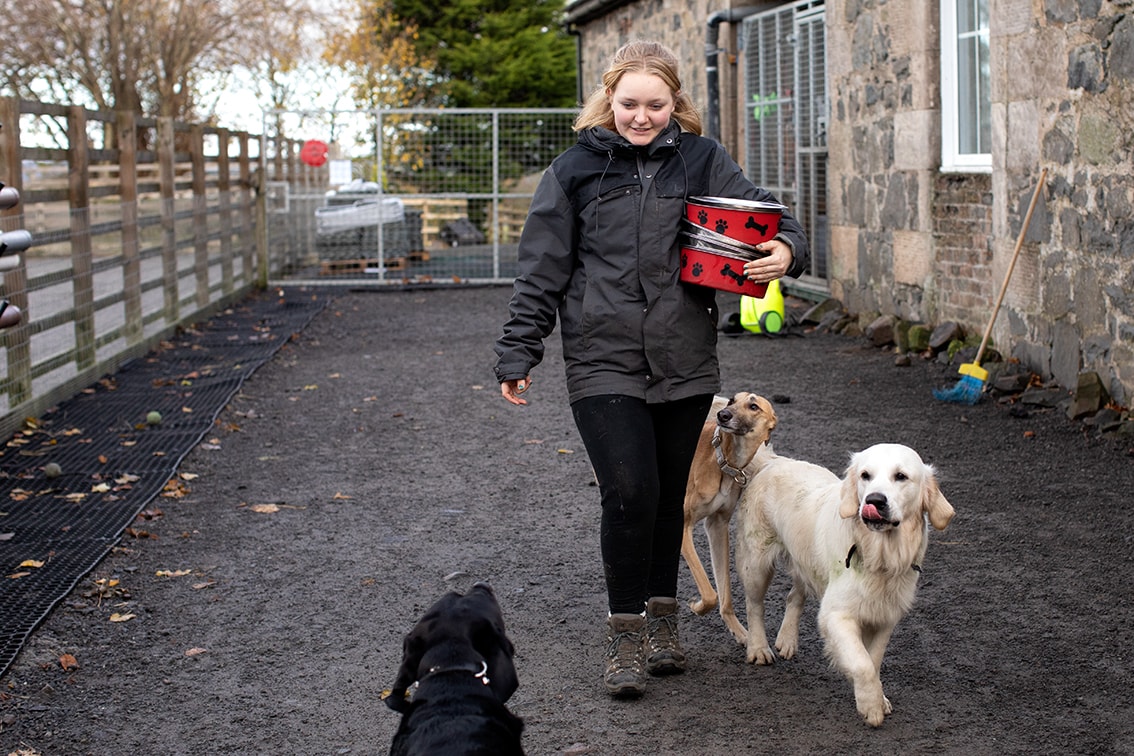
600, 249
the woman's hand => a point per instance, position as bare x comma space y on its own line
511, 390
773, 265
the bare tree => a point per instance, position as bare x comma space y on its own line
148, 56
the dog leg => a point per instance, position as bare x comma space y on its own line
843, 636
756, 575
708, 597
787, 641
716, 525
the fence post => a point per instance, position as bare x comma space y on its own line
166, 188
79, 199
200, 214
263, 269
224, 208
128, 192
248, 193
17, 339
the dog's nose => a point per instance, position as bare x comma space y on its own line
878, 500
724, 415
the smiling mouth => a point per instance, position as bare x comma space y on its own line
874, 520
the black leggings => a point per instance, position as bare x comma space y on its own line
641, 455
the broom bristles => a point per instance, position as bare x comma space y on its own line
967, 391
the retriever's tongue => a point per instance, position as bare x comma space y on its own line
870, 512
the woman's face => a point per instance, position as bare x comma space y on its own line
642, 104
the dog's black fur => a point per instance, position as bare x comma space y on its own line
461, 659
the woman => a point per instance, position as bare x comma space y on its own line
600, 251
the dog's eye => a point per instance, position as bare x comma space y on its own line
866, 475
901, 476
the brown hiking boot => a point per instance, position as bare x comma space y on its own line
663, 650
625, 675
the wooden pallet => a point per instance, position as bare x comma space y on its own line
361, 265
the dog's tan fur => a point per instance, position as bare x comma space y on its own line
746, 422
857, 543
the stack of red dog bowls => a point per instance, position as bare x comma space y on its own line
719, 235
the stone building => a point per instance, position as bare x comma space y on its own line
911, 134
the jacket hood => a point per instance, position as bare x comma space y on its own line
602, 139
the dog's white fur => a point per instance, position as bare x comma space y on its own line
746, 422
857, 543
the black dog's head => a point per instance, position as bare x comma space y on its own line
458, 632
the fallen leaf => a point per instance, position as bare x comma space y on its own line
31, 563
196, 651
75, 497
341, 495
187, 410
18, 575
68, 662
173, 573
311, 387
334, 375
7, 536
102, 459
189, 476
565, 451
265, 508
100, 488
207, 584
117, 617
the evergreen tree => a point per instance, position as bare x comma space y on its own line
496, 53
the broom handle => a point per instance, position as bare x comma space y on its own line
1011, 265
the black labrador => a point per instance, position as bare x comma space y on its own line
455, 677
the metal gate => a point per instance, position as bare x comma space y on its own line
785, 88
404, 196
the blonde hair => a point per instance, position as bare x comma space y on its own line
646, 57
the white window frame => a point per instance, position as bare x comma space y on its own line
952, 159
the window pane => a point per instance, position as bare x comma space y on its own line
973, 91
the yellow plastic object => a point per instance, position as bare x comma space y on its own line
764, 315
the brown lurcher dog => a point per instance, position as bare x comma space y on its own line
722, 466
856, 543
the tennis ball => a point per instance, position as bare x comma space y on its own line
154, 418
52, 470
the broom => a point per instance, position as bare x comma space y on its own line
969, 389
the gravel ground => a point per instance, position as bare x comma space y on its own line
372, 465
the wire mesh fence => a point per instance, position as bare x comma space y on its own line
406, 195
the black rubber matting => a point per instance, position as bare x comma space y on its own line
57, 524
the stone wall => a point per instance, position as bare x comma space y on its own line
910, 240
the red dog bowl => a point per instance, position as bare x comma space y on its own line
746, 221
718, 270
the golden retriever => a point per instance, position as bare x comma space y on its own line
856, 543
735, 430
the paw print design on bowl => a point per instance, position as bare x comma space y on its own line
702, 217
722, 226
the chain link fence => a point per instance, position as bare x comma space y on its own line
404, 196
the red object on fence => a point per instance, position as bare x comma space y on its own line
313, 152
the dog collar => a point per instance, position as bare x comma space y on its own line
739, 476
481, 672
854, 547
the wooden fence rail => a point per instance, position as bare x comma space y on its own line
139, 225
